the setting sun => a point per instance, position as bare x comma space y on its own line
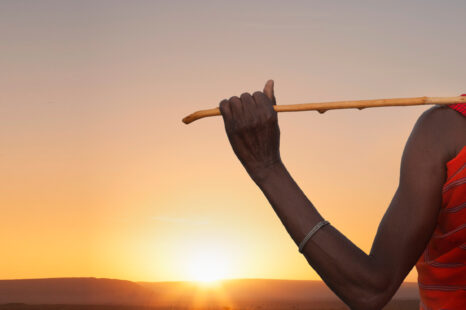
208, 266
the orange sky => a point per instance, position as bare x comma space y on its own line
99, 177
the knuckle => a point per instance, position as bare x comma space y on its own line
257, 94
234, 99
223, 103
223, 106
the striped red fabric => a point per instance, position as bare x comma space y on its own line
442, 267
460, 107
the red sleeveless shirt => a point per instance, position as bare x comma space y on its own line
442, 267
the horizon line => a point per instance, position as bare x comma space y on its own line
169, 281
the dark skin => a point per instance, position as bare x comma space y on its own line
361, 281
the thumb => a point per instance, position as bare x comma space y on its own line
268, 91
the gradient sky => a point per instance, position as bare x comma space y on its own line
99, 177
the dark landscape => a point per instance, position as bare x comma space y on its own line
109, 294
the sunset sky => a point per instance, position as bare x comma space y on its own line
99, 177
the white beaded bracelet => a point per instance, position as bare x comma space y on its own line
312, 232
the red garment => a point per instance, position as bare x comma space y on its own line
442, 267
460, 107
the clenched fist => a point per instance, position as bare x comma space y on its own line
252, 128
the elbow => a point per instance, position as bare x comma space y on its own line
375, 301
371, 297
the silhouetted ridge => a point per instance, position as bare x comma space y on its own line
73, 291
242, 293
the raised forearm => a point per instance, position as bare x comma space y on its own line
362, 281
252, 128
353, 275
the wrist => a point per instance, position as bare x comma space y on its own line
262, 174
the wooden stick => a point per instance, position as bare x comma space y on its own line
324, 106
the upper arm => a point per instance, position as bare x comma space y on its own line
412, 215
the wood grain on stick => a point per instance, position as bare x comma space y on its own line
324, 106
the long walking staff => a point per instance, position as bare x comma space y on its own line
324, 106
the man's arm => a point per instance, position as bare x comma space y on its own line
362, 281
367, 281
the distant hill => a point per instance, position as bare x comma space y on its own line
250, 293
74, 291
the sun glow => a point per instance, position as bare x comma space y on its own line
208, 267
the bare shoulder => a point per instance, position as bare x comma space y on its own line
440, 131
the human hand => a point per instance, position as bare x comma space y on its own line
252, 128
